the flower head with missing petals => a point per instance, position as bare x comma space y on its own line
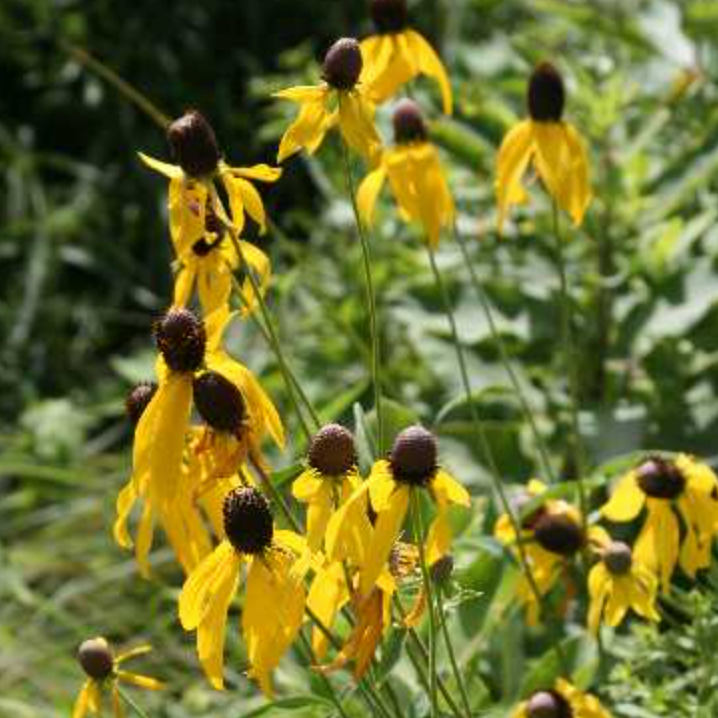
339, 101
549, 143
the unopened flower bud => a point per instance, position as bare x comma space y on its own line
95, 657
343, 64
193, 144
558, 533
548, 704
618, 558
546, 94
181, 339
389, 16
219, 402
660, 478
413, 456
248, 520
408, 123
138, 400
332, 451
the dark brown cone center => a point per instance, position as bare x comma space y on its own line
138, 400
558, 533
548, 704
219, 402
618, 558
332, 451
413, 456
181, 339
95, 657
520, 504
248, 520
408, 123
343, 64
389, 16
660, 478
546, 94
194, 145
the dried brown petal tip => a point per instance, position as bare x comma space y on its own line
408, 123
548, 704
618, 558
546, 94
343, 64
413, 457
389, 16
219, 402
559, 533
332, 451
95, 657
138, 399
660, 478
181, 339
248, 520
194, 145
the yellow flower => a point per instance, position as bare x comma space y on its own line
397, 54
275, 597
562, 701
329, 478
338, 100
552, 535
552, 145
415, 175
412, 465
236, 410
192, 181
669, 489
618, 582
104, 673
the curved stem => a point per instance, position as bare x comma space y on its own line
450, 650
130, 702
418, 528
505, 360
371, 301
484, 441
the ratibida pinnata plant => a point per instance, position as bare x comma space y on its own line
358, 530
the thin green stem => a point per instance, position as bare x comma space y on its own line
570, 361
271, 331
123, 87
484, 442
130, 702
417, 525
450, 650
505, 360
277, 497
371, 301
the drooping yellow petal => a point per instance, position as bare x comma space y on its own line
307, 485
187, 205
184, 283
368, 193
381, 485
580, 194
356, 122
394, 67
141, 681
619, 600
318, 514
438, 540
349, 531
308, 129
327, 595
599, 581
657, 545
376, 51
164, 168
429, 64
449, 489
626, 501
386, 531
145, 534
125, 501
513, 159
258, 173
82, 703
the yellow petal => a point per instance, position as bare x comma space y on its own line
302, 93
258, 173
327, 595
386, 531
318, 515
513, 159
140, 650
657, 544
184, 283
356, 122
125, 501
580, 196
82, 702
164, 168
449, 489
381, 485
626, 501
393, 67
376, 51
598, 586
368, 192
141, 681
429, 64
438, 540
307, 485
308, 129
118, 710
145, 534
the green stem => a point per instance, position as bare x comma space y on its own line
271, 331
371, 301
570, 367
130, 702
450, 650
504, 355
484, 441
417, 525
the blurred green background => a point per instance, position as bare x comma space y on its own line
84, 260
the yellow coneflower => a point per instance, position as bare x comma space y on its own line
227, 396
104, 674
199, 162
412, 465
330, 477
562, 701
339, 100
552, 535
397, 54
549, 143
274, 600
618, 582
669, 489
415, 176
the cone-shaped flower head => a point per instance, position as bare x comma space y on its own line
563, 700
194, 145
